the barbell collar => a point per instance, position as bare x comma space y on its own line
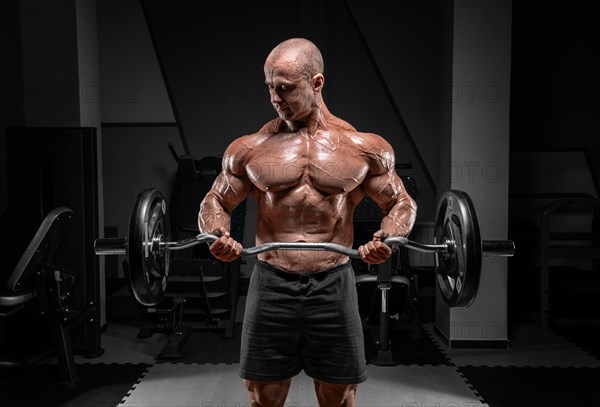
110, 246
497, 248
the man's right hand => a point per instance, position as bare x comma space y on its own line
226, 248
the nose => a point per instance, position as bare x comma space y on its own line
275, 98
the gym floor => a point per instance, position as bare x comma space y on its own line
556, 367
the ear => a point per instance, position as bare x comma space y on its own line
317, 82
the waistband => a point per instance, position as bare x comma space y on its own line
294, 276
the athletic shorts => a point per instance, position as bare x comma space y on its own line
302, 321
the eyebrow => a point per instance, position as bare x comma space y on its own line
278, 82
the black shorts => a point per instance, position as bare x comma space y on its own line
307, 322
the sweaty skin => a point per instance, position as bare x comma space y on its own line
307, 171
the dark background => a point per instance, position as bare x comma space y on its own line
196, 69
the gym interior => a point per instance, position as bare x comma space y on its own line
106, 99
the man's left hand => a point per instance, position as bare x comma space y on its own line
375, 251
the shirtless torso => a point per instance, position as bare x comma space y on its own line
307, 187
307, 171
307, 192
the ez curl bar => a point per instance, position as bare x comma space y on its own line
457, 246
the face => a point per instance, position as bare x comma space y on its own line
292, 94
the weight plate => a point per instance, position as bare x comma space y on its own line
458, 271
148, 266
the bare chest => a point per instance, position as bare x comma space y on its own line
291, 160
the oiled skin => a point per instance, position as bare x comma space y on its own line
307, 171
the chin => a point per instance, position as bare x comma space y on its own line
285, 115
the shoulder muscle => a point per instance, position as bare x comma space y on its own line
376, 150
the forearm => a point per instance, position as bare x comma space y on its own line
400, 220
213, 217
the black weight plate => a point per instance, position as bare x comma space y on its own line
148, 269
459, 272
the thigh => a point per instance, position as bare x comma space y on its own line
333, 335
269, 349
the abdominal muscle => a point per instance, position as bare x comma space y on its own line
304, 214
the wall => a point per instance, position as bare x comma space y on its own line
556, 64
556, 60
446, 95
214, 76
403, 40
136, 115
60, 84
11, 105
132, 88
479, 152
215, 73
51, 88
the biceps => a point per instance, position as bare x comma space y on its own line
387, 190
229, 190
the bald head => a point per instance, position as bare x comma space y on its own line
299, 52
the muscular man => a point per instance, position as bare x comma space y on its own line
307, 171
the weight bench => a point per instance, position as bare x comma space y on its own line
38, 285
381, 297
210, 298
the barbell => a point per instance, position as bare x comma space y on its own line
457, 247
